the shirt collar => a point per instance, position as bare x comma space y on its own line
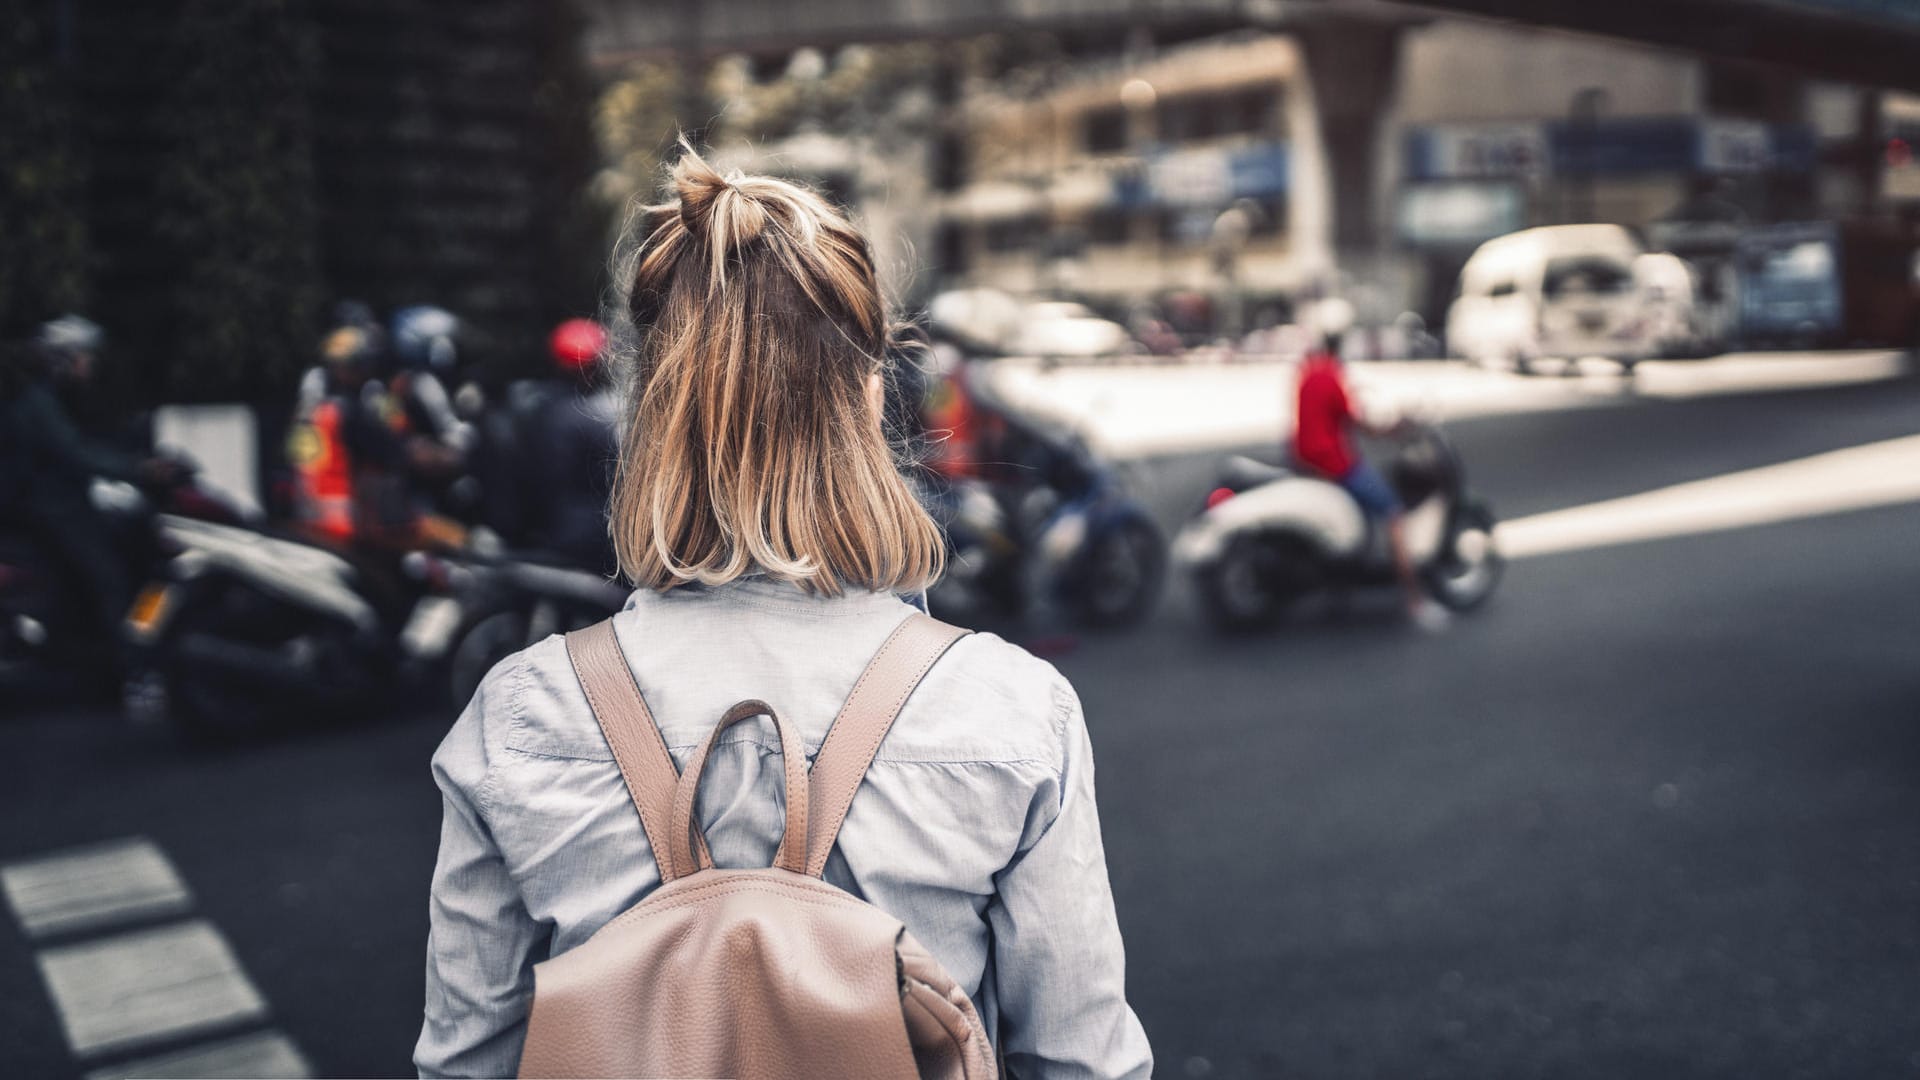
762, 593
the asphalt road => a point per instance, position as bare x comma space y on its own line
1652, 812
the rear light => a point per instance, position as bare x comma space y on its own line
1219, 495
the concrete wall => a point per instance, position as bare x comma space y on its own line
1458, 70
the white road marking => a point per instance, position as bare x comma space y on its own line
1857, 478
93, 887
120, 992
264, 1053
1133, 410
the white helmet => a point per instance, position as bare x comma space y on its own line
71, 334
1331, 317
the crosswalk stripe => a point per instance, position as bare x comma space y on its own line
125, 991
93, 887
263, 1053
1857, 478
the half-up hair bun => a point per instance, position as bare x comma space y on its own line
715, 208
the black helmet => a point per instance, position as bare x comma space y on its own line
350, 312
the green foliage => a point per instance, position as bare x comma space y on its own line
43, 237
453, 145
635, 123
236, 199
569, 263
248, 161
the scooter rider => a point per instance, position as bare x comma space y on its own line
338, 438
574, 439
47, 465
1323, 444
316, 382
424, 345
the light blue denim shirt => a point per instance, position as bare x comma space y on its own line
976, 825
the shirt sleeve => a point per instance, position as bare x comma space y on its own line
1060, 968
482, 943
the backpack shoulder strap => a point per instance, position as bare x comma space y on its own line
890, 678
635, 740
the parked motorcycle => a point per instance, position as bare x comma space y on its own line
242, 629
1267, 536
500, 605
245, 630
43, 625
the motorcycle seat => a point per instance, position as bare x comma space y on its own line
1240, 472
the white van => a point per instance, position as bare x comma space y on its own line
1560, 291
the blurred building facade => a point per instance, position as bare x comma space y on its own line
1497, 127
1257, 157
1139, 175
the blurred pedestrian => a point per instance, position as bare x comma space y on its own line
758, 508
1323, 443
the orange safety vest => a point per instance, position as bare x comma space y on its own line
323, 474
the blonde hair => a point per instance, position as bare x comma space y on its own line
752, 322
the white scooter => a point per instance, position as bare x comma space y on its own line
1268, 536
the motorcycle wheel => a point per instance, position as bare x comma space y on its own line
486, 643
1122, 575
1465, 575
1254, 581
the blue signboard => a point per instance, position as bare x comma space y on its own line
1626, 145
1259, 171
1204, 176
1608, 146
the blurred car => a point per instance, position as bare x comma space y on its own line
991, 322
1669, 292
981, 321
1562, 291
1050, 334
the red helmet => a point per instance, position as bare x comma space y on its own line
577, 343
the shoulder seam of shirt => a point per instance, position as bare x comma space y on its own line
516, 678
1064, 700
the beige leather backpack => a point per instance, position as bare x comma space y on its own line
753, 974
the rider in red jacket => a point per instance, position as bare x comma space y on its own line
1323, 444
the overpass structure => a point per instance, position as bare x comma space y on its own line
1871, 42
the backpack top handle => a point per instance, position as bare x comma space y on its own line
819, 799
792, 854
